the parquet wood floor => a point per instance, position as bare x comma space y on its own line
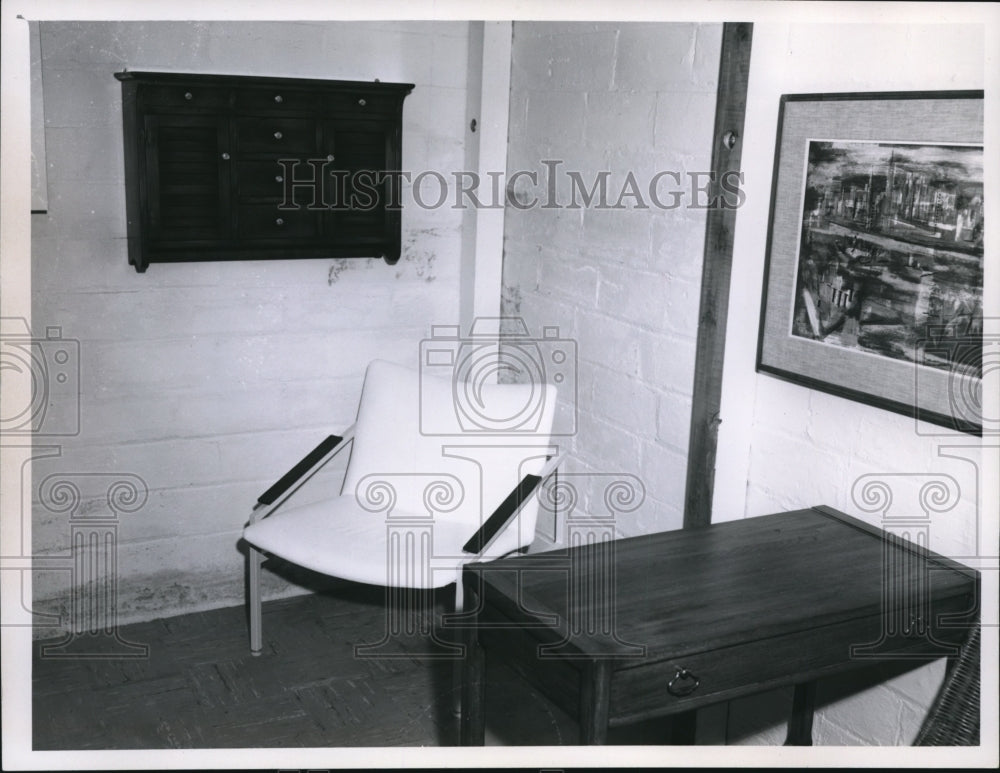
199, 687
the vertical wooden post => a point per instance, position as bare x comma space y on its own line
727, 148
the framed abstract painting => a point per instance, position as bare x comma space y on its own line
873, 286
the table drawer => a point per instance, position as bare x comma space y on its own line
708, 677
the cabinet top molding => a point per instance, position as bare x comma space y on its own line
259, 80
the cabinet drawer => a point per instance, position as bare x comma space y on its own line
261, 179
276, 135
181, 96
269, 180
359, 104
266, 221
275, 99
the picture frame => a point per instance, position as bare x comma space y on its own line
873, 279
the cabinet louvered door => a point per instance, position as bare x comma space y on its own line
363, 201
187, 181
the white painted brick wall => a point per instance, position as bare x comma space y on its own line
803, 447
618, 98
625, 284
209, 380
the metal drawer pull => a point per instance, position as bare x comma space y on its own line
683, 683
278, 135
278, 98
279, 221
188, 95
362, 102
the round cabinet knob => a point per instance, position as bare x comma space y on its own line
278, 98
330, 157
279, 221
362, 102
188, 95
279, 179
225, 156
278, 135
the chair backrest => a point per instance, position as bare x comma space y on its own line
414, 428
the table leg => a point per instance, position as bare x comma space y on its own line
801, 722
473, 726
473, 722
595, 701
683, 728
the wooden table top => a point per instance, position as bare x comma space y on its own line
688, 591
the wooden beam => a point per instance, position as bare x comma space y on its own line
727, 148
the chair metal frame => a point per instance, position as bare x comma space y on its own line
286, 486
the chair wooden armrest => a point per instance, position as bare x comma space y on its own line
509, 508
304, 469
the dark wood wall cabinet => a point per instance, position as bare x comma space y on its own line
221, 167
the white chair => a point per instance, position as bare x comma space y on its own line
451, 466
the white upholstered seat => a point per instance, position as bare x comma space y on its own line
432, 463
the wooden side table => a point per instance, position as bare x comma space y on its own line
665, 623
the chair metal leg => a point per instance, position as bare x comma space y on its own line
254, 560
456, 673
459, 596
